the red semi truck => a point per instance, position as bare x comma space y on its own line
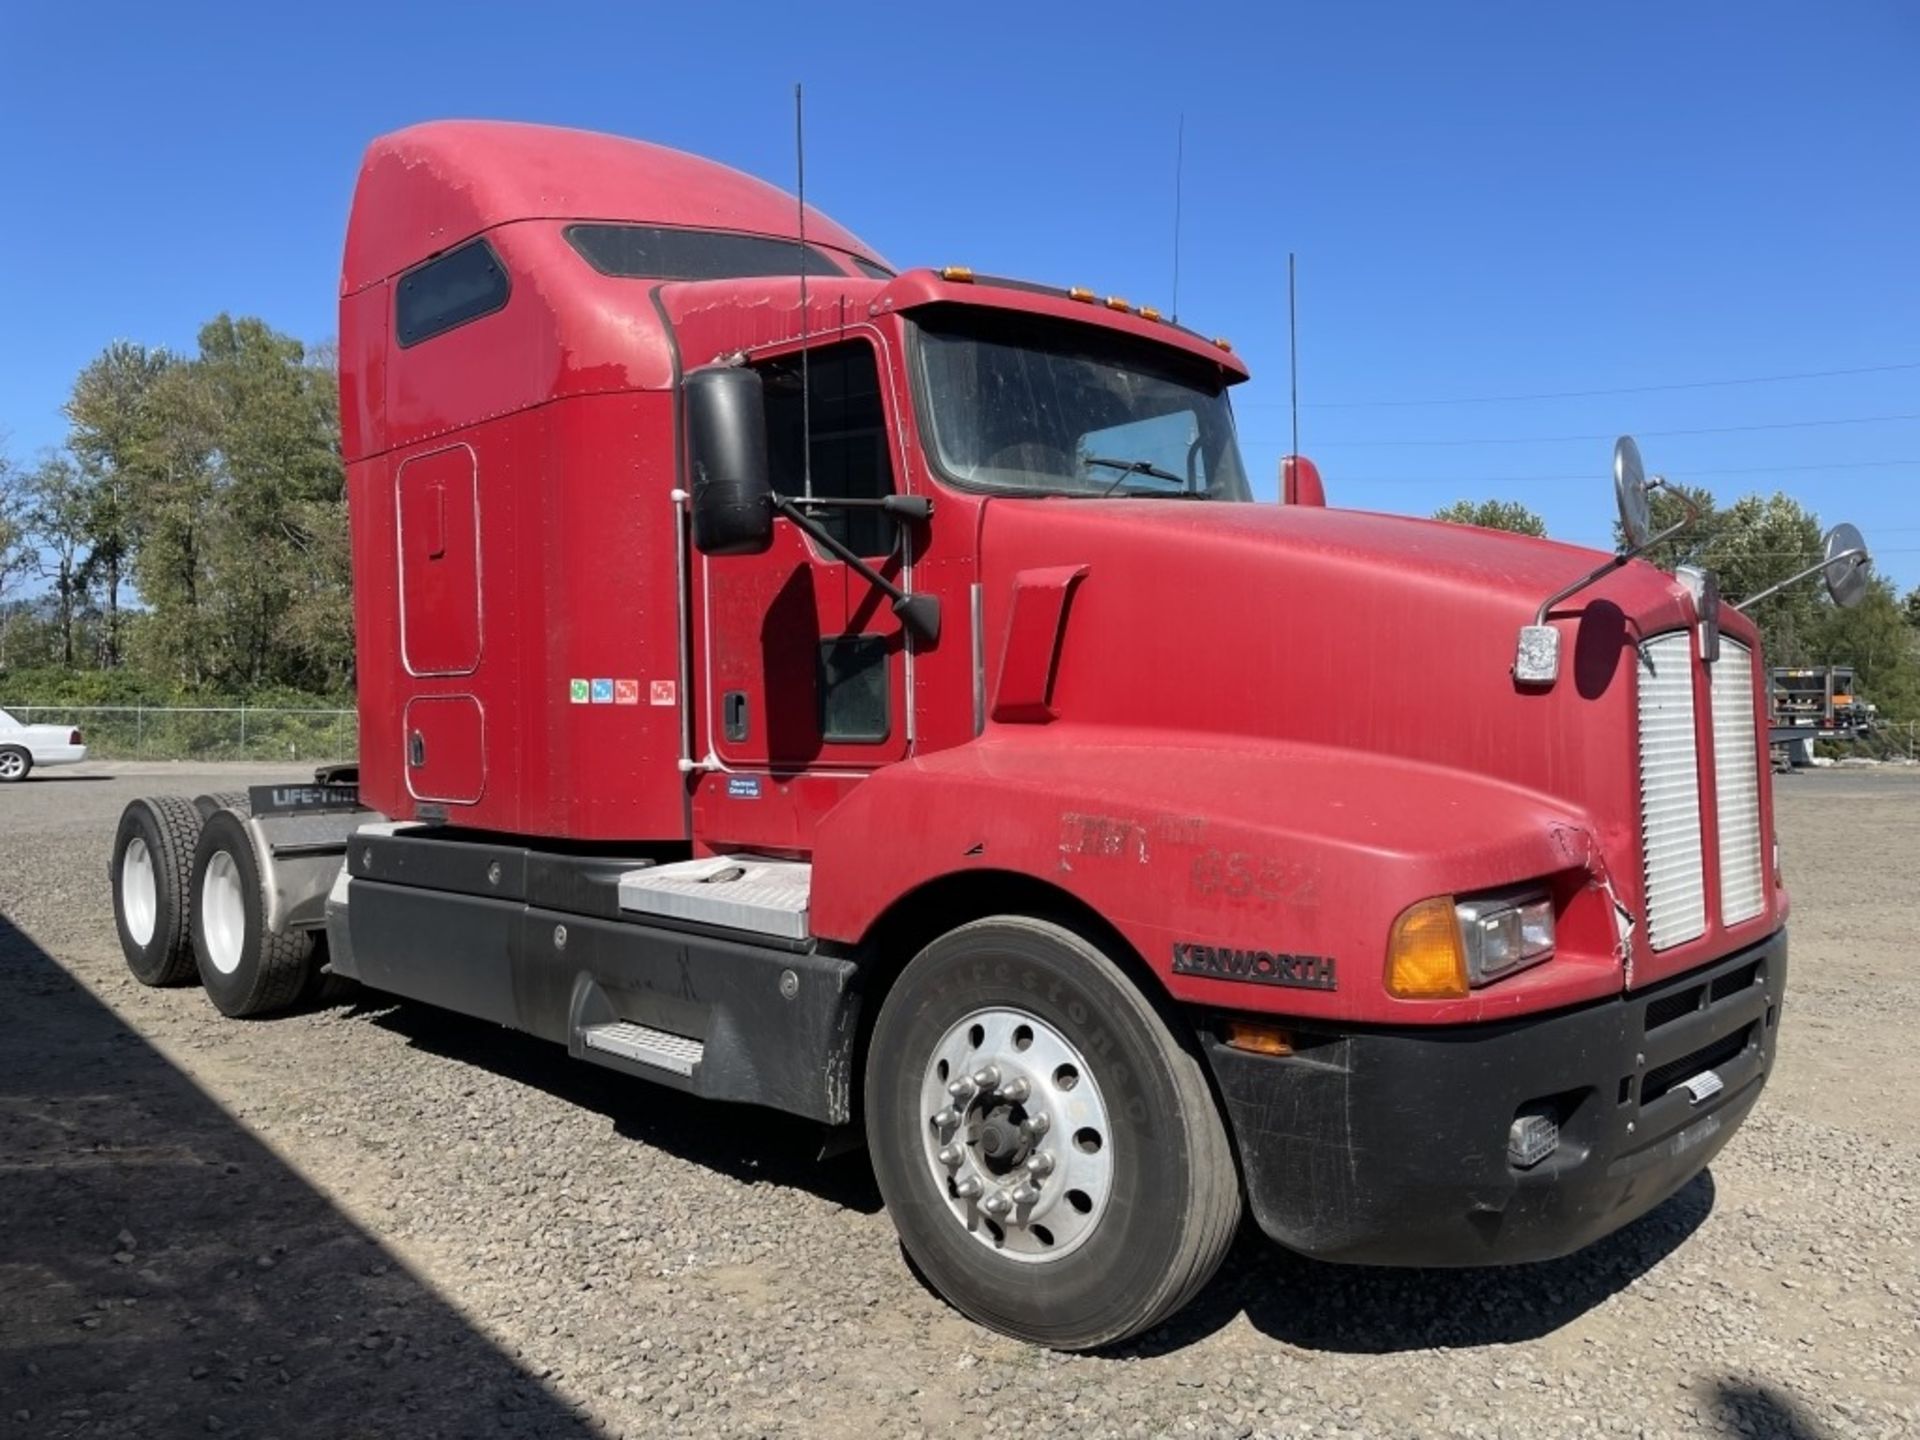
874, 695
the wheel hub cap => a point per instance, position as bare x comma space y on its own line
1017, 1136
223, 912
139, 897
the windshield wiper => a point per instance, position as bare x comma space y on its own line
1132, 467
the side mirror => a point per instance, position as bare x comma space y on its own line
1846, 567
727, 455
1630, 493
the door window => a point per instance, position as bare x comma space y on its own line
849, 439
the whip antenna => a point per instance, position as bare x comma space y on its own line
1179, 165
806, 394
1293, 355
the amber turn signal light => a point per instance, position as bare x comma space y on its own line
1257, 1037
1425, 959
957, 274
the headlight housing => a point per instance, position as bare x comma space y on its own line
1505, 932
1441, 949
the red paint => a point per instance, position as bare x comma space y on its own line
1035, 627
1300, 482
1267, 726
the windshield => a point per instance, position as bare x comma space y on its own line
1026, 405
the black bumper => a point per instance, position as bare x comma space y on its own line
1389, 1147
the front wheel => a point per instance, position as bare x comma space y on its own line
15, 764
1048, 1148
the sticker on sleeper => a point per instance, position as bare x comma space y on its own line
743, 787
603, 692
577, 691
661, 693
626, 692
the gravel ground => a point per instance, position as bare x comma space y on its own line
379, 1219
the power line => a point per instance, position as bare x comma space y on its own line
1590, 394
1564, 439
1593, 476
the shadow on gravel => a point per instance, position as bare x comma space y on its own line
741, 1141
38, 778
1364, 1310
1744, 1409
163, 1273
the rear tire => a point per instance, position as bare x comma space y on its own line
15, 764
152, 874
245, 970
1133, 1143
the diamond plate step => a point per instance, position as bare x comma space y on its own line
737, 892
644, 1044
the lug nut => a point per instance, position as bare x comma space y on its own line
947, 1118
996, 1205
1040, 1166
1025, 1195
960, 1089
987, 1076
951, 1156
968, 1188
1034, 1126
1015, 1090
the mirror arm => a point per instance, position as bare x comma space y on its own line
920, 613
1632, 553
1856, 554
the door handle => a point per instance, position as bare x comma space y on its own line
733, 715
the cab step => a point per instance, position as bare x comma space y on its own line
733, 892
644, 1045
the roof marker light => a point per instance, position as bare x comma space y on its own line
1147, 312
1114, 302
1223, 343
960, 274
1080, 292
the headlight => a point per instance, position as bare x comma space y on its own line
1504, 933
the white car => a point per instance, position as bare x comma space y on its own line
24, 746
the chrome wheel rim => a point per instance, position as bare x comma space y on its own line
1016, 1135
223, 912
139, 894
12, 765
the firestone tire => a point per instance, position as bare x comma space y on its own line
1139, 1141
151, 873
244, 970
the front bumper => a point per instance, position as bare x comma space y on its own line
1389, 1147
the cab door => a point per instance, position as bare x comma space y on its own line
804, 687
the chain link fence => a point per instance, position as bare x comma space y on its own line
194, 732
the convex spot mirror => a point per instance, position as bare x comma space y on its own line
1847, 566
1630, 493
727, 458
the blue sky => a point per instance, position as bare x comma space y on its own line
1487, 200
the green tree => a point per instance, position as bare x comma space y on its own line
59, 517
107, 414
17, 554
1493, 515
173, 489
1912, 607
277, 564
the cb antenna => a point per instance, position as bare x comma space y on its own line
806, 393
1293, 355
1179, 165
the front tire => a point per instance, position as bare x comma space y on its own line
1078, 1188
245, 970
15, 764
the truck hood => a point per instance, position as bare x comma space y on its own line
1261, 628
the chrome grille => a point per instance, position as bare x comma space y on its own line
1736, 785
1670, 793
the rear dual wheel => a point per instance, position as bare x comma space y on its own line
245, 970
1047, 1144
